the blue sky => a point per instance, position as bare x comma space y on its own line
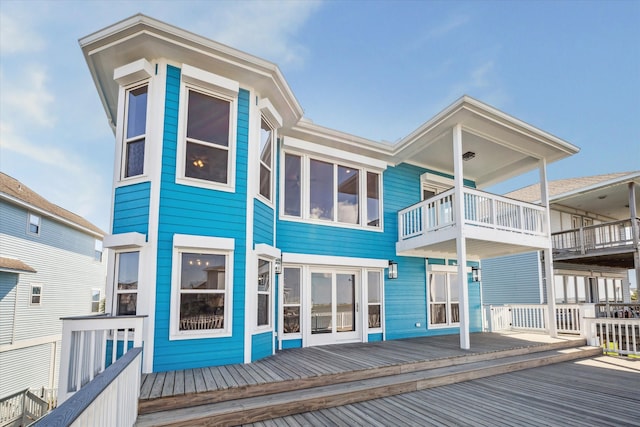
377, 69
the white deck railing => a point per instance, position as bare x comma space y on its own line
616, 336
593, 238
110, 399
480, 209
90, 344
534, 317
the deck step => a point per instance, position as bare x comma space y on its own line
178, 401
281, 403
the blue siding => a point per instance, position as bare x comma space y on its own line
513, 279
262, 223
8, 284
204, 212
375, 337
13, 222
131, 208
261, 345
291, 344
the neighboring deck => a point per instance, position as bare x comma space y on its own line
299, 380
601, 391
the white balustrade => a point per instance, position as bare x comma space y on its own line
617, 336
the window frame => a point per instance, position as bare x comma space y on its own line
270, 168
136, 138
117, 292
93, 294
38, 225
223, 89
448, 302
380, 274
285, 305
305, 191
268, 293
34, 286
201, 245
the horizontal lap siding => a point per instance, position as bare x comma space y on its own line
25, 368
203, 212
297, 343
262, 223
8, 289
131, 208
511, 279
261, 345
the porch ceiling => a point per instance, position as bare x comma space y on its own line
477, 249
503, 145
605, 259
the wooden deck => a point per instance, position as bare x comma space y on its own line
602, 391
343, 359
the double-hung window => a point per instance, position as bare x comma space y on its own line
36, 294
126, 292
34, 224
135, 131
264, 293
95, 300
321, 190
443, 299
266, 158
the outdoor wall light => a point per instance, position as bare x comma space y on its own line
393, 269
476, 274
277, 265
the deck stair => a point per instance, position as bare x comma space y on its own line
266, 400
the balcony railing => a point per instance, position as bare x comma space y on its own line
617, 234
90, 344
480, 209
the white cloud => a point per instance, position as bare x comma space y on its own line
448, 26
16, 36
28, 97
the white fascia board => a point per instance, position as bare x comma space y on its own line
431, 178
446, 268
191, 74
271, 114
295, 258
203, 242
310, 147
264, 250
133, 72
124, 240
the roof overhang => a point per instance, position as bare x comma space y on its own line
142, 37
503, 145
13, 265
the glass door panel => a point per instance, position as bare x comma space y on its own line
346, 302
321, 303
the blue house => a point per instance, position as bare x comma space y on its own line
51, 266
241, 228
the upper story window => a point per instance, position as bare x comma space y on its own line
97, 250
36, 295
135, 131
126, 292
333, 192
266, 158
96, 295
34, 223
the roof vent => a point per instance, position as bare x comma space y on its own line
468, 156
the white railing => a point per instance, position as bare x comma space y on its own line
534, 317
90, 344
616, 336
21, 408
594, 237
480, 209
110, 399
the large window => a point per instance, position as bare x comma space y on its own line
266, 158
291, 299
332, 192
264, 293
374, 296
202, 293
126, 294
443, 299
208, 142
135, 131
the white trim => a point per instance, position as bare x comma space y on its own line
267, 251
328, 260
203, 242
30, 342
210, 81
334, 153
124, 241
437, 180
445, 268
251, 263
267, 110
133, 72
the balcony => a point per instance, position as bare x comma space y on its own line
492, 225
609, 244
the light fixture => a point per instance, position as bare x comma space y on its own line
468, 156
476, 274
198, 163
277, 265
393, 270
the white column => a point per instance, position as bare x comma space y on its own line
461, 246
634, 229
548, 251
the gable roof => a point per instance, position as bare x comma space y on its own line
13, 190
571, 185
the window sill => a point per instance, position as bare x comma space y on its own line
132, 180
443, 326
198, 335
209, 185
330, 224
